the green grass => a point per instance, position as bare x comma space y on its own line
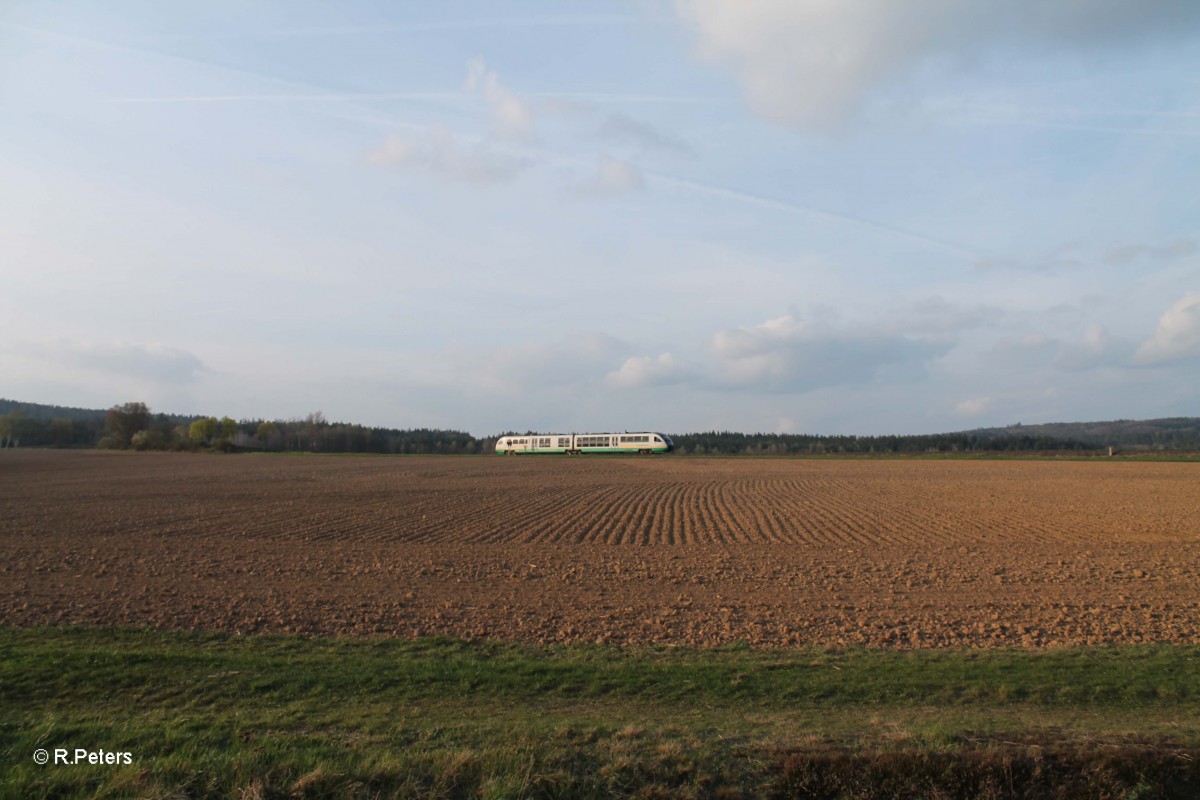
215, 716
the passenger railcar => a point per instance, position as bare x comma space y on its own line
642, 442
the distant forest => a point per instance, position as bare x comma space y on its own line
134, 426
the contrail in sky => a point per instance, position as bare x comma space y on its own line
81, 41
595, 97
451, 25
1066, 118
566, 21
1033, 123
297, 97
313, 93
812, 212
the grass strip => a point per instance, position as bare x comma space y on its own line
208, 715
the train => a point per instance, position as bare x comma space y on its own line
640, 442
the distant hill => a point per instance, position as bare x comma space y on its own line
40, 411
1169, 433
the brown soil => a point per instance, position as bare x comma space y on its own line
891, 553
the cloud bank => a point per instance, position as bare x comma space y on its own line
789, 355
812, 64
642, 371
512, 117
155, 362
441, 153
1177, 336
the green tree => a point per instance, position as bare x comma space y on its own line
122, 422
268, 433
62, 432
203, 431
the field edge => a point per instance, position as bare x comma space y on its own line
213, 715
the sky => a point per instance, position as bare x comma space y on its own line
787, 216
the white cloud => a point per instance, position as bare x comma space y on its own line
622, 129
812, 64
1074, 256
640, 371
1138, 253
973, 407
572, 361
478, 160
613, 176
512, 117
785, 354
442, 153
397, 151
936, 316
156, 362
1178, 333
1095, 348
1066, 256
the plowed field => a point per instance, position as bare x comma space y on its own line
896, 553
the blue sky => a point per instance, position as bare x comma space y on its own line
805, 216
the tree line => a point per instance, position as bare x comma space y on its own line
133, 426
1167, 433
730, 443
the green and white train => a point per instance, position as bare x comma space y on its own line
641, 442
